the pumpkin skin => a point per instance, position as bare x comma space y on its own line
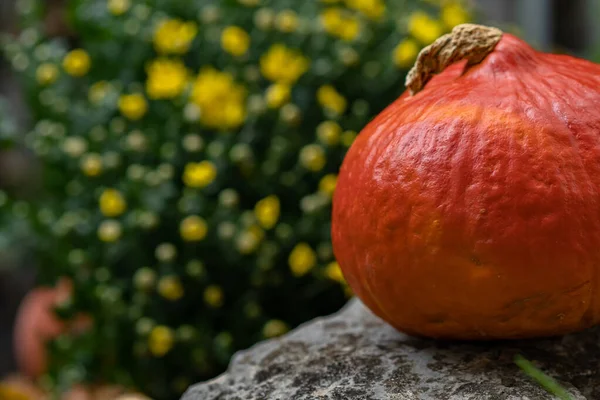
471, 209
36, 324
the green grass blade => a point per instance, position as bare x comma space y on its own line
542, 379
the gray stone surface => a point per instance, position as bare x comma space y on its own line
353, 355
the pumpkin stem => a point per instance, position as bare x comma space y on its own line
467, 41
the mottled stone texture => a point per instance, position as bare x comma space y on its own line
353, 355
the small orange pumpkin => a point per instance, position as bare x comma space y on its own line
36, 324
470, 207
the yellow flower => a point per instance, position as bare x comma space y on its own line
112, 203
199, 175
334, 272
329, 132
373, 9
109, 231
144, 278
424, 28
331, 99
213, 296
166, 78
98, 91
193, 228
340, 24
312, 157
278, 94
267, 211
348, 138
91, 164
221, 100
174, 36
235, 40
249, 240
161, 340
274, 328
453, 14
405, 53
287, 21
74, 146
302, 259
46, 74
118, 7
170, 288
327, 184
77, 62
282, 64
133, 106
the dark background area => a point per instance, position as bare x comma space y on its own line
551, 25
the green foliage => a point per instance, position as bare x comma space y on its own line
545, 381
188, 167
8, 128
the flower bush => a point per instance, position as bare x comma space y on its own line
189, 154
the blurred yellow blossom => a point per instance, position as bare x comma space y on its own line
282, 64
46, 74
278, 94
161, 340
221, 100
98, 91
327, 184
193, 228
424, 28
118, 7
302, 259
373, 9
274, 328
77, 62
334, 272
170, 288
454, 13
329, 132
249, 240
348, 138
213, 296
133, 106
91, 164
339, 23
166, 78
405, 53
74, 146
174, 36
287, 21
331, 99
267, 211
235, 40
291, 114
199, 175
144, 278
312, 157
263, 18
112, 203
109, 231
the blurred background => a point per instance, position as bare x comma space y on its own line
566, 26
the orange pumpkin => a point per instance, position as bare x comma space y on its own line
470, 207
36, 324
